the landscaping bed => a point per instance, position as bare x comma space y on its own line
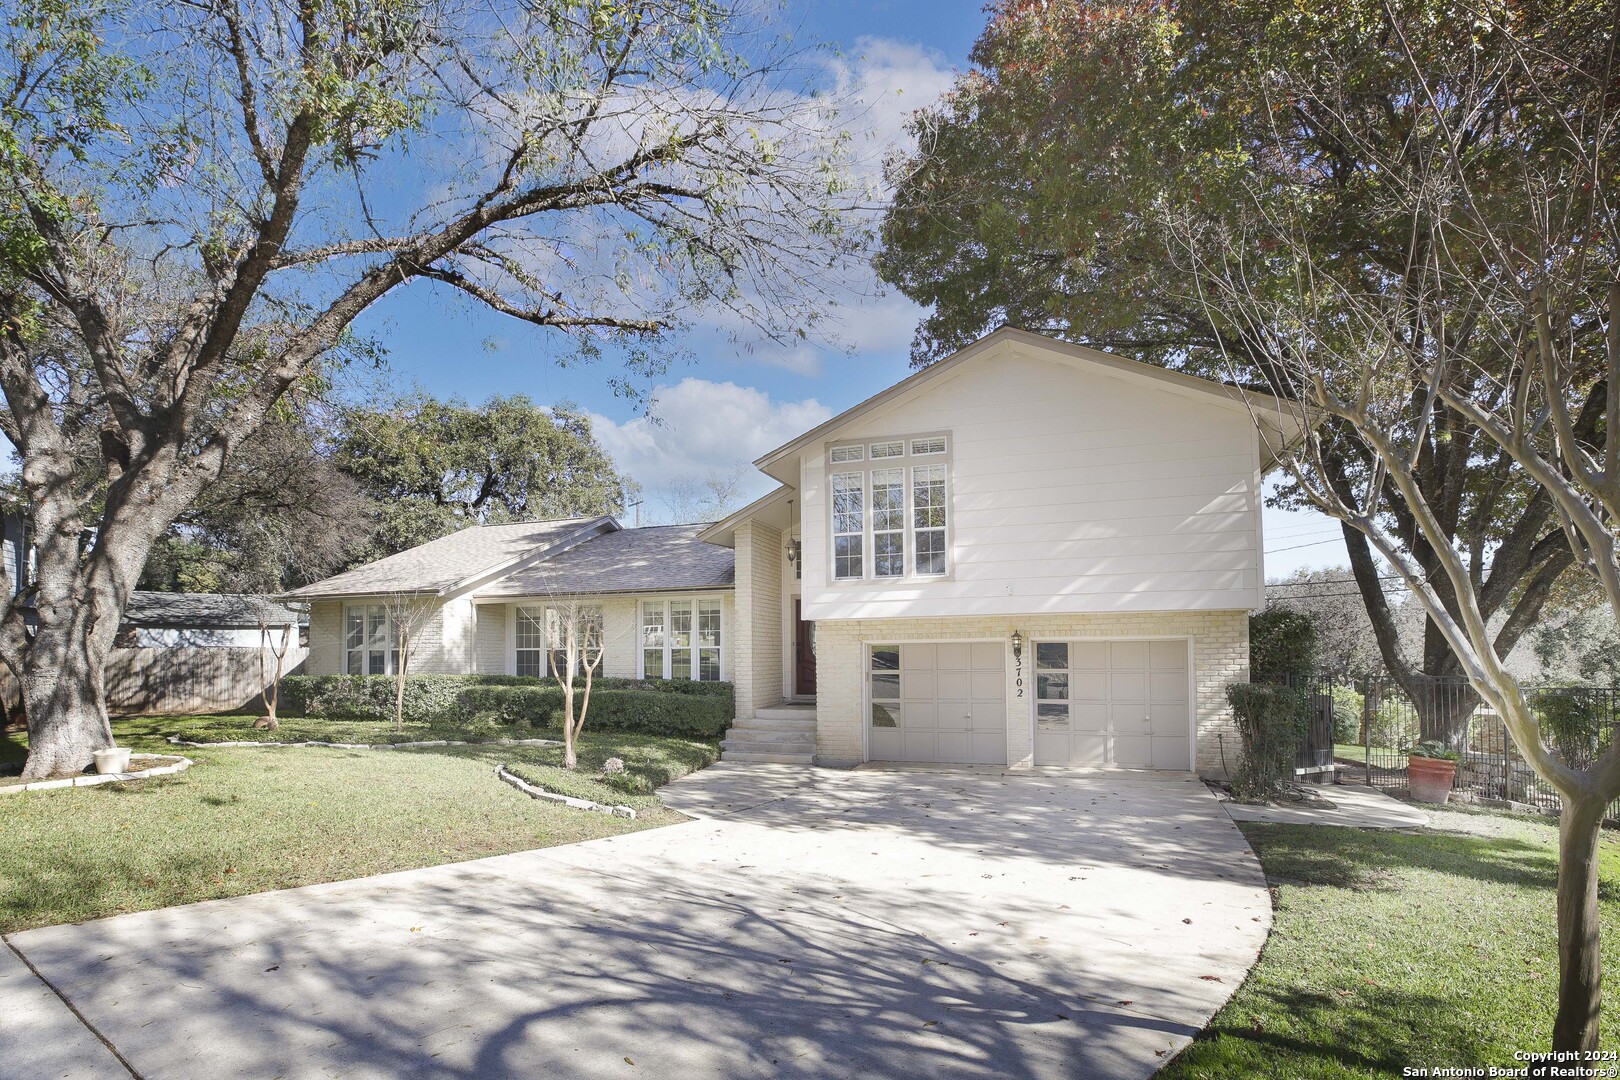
1392, 950
649, 764
245, 820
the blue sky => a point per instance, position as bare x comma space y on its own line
730, 405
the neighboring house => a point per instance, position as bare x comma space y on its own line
206, 620
1029, 553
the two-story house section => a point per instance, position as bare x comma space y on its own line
1028, 554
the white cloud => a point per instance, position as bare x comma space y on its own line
889, 80
699, 426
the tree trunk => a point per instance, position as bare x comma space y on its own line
66, 709
1580, 960
1443, 707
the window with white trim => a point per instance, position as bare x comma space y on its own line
848, 525
680, 639
889, 516
542, 639
370, 645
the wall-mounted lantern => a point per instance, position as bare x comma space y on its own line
1018, 645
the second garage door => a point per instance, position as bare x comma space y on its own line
1112, 703
941, 702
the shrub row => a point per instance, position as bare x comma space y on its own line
643, 706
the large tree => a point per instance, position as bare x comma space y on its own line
434, 466
199, 198
1035, 193
1504, 194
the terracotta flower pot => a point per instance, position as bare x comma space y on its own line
1430, 778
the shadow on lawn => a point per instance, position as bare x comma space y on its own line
1359, 1034
1367, 861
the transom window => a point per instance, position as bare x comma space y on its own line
889, 504
542, 639
680, 639
371, 647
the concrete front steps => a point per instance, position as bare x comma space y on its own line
783, 733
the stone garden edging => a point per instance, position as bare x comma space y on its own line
534, 792
178, 741
102, 778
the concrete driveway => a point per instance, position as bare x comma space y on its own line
807, 923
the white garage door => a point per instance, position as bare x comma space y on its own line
1112, 703
944, 703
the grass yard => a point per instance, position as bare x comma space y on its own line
1357, 753
247, 820
1392, 950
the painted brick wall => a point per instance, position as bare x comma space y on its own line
325, 638
1220, 654
757, 638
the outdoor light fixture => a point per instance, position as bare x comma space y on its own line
793, 551
1018, 645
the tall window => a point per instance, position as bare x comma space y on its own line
369, 641
848, 524
890, 498
542, 638
680, 639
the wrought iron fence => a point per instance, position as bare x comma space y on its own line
1375, 722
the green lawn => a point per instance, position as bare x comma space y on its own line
1382, 755
1393, 950
247, 820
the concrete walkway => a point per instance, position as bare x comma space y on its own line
1351, 807
808, 923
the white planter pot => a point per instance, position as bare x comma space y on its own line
113, 759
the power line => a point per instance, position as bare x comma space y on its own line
1318, 543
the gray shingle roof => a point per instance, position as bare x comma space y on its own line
631, 560
211, 611
441, 563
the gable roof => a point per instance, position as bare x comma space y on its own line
1132, 370
451, 562
653, 559
212, 611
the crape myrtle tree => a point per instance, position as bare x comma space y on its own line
1499, 205
1033, 199
199, 198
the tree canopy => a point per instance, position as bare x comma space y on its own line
198, 199
432, 466
1046, 189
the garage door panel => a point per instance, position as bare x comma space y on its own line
921, 685
1130, 707
887, 744
987, 656
1168, 719
1088, 686
917, 658
1130, 654
1170, 753
1089, 715
1133, 750
1167, 686
950, 711
1128, 686
1088, 655
988, 686
1168, 655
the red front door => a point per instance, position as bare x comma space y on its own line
804, 654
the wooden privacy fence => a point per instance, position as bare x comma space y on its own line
185, 679
192, 679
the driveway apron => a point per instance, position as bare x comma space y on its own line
806, 923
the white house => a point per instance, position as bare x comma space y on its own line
1028, 554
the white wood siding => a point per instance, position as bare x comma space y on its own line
1071, 490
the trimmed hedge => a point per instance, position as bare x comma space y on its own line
1271, 722
644, 706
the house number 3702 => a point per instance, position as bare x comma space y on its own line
1018, 676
